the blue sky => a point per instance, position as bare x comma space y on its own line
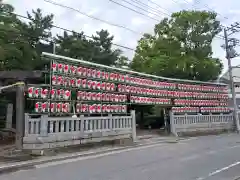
228, 12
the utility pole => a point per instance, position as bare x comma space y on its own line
231, 53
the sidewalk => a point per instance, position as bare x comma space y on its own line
23, 161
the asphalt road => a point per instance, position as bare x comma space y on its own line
205, 158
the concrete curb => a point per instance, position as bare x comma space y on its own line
13, 167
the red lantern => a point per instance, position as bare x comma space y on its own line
103, 86
84, 71
73, 69
99, 74
66, 108
112, 86
108, 86
78, 83
60, 68
94, 73
106, 75
89, 72
73, 82
99, 97
66, 68
99, 108
44, 93
37, 107
94, 84
79, 71
59, 80
84, 83
54, 67
94, 96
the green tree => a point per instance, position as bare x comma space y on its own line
98, 49
181, 47
104, 53
38, 33
16, 53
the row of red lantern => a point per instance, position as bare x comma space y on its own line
157, 92
44, 93
94, 73
185, 109
100, 108
82, 83
215, 109
83, 95
88, 72
149, 82
148, 100
202, 88
52, 107
196, 102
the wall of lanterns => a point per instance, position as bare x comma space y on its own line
78, 88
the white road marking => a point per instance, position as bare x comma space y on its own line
219, 171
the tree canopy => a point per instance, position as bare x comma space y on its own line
181, 47
22, 42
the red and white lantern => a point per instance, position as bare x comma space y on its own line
84, 83
53, 107
99, 108
59, 107
98, 85
73, 69
94, 85
54, 67
79, 71
66, 68
53, 93
94, 73
79, 95
44, 107
103, 86
59, 80
60, 68
38, 107
78, 83
112, 87
99, 97
84, 71
44, 93
108, 86
66, 107
54, 80
73, 82
67, 95
31, 92
78, 107
89, 72
98, 74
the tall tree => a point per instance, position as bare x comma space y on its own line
104, 53
181, 47
38, 33
16, 53
98, 49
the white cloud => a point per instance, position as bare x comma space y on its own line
111, 12
137, 21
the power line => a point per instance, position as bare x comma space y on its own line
134, 9
67, 30
142, 6
217, 36
150, 7
92, 17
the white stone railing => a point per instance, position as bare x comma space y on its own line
51, 132
200, 123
